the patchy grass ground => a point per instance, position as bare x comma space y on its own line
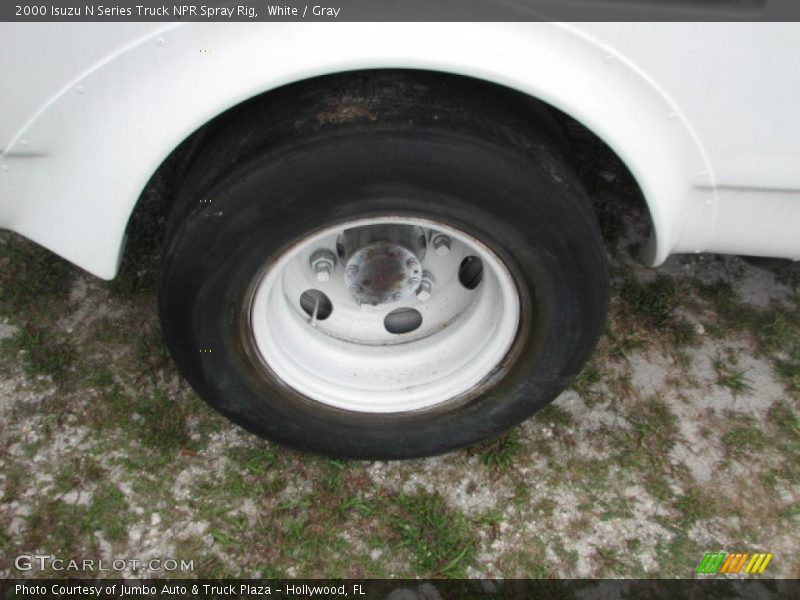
681, 436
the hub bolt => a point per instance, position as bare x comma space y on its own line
322, 263
441, 243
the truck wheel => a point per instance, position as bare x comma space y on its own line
385, 288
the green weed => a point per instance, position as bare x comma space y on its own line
501, 452
728, 376
437, 539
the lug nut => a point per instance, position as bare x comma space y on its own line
412, 263
424, 292
425, 289
323, 272
323, 262
441, 243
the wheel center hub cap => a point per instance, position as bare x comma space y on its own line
382, 272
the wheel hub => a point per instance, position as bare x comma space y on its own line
382, 272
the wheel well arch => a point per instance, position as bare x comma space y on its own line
570, 136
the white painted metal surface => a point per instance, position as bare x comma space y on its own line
350, 361
703, 114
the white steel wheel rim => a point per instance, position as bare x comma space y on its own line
349, 360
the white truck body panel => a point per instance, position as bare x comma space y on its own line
704, 115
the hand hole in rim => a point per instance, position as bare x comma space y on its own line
470, 272
402, 320
315, 301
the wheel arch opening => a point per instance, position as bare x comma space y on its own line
616, 195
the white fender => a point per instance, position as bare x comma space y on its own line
74, 168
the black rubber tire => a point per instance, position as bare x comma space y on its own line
455, 151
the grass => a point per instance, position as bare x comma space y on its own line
695, 505
776, 331
33, 281
502, 452
586, 381
42, 353
654, 306
66, 529
789, 369
644, 447
654, 302
787, 421
654, 427
529, 563
784, 441
728, 376
744, 438
436, 538
609, 560
680, 551
80, 473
